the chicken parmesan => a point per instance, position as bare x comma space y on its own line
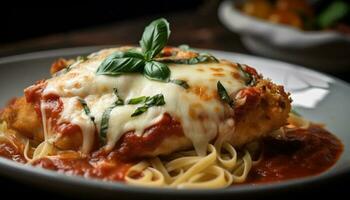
162, 116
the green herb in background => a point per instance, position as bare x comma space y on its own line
332, 14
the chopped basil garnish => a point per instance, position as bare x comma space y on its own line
201, 58
223, 94
249, 79
106, 115
105, 123
137, 100
181, 83
86, 109
156, 100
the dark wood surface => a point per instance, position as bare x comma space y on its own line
200, 29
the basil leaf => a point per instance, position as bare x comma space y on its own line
154, 38
249, 79
106, 116
120, 63
181, 83
139, 111
223, 94
86, 109
137, 100
201, 58
156, 100
105, 123
156, 71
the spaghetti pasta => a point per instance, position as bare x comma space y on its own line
215, 170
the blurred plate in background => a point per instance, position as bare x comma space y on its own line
322, 50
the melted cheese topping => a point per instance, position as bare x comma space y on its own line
202, 115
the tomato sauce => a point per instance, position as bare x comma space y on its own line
7, 150
107, 168
133, 146
53, 109
302, 153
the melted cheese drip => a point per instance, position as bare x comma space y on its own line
198, 108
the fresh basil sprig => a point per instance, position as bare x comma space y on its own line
106, 116
156, 100
224, 95
153, 40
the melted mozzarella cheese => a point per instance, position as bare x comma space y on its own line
198, 109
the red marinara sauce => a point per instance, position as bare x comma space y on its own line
53, 107
109, 167
304, 152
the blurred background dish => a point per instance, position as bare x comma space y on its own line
293, 30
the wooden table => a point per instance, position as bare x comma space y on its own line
201, 29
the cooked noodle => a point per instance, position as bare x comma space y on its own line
187, 170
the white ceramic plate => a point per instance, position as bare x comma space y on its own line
316, 96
